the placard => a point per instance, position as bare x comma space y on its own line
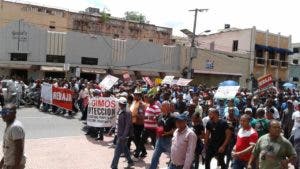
183, 82
46, 93
62, 97
168, 80
226, 92
265, 82
148, 81
108, 82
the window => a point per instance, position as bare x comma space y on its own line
282, 57
18, 56
52, 25
212, 46
235, 45
55, 58
260, 57
150, 40
116, 36
272, 59
295, 61
295, 79
295, 50
89, 61
48, 11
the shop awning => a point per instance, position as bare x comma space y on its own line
16, 66
272, 49
217, 73
93, 70
52, 69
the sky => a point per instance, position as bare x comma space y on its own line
274, 15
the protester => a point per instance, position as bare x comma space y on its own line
199, 131
13, 140
286, 120
124, 122
272, 150
260, 124
183, 145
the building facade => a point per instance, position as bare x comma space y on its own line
294, 65
268, 52
28, 51
91, 21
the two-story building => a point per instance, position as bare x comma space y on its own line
294, 64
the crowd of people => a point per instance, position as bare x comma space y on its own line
251, 130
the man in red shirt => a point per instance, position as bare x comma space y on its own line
246, 139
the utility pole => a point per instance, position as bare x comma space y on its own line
192, 49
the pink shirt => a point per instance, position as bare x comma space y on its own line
150, 117
183, 148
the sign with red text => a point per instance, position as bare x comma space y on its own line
148, 81
183, 82
102, 111
265, 82
62, 98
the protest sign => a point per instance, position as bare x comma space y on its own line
183, 82
62, 98
168, 80
157, 81
102, 111
226, 92
265, 82
108, 82
148, 81
46, 93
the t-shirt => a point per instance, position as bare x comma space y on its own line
271, 152
217, 133
261, 126
12, 133
244, 139
167, 122
151, 114
296, 118
198, 129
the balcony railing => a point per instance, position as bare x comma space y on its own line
273, 62
260, 61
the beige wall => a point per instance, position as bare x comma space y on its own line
272, 40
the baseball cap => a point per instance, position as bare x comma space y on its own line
248, 110
290, 101
182, 117
122, 100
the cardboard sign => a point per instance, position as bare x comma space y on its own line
62, 98
183, 82
77, 72
108, 82
265, 82
168, 80
46, 93
102, 111
148, 81
226, 92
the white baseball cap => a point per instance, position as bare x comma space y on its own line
122, 100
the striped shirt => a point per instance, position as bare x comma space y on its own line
151, 113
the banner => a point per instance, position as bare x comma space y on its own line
148, 81
46, 93
168, 80
183, 82
62, 98
108, 82
265, 82
226, 92
102, 111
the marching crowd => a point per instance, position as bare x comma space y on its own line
252, 130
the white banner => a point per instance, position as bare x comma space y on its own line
108, 82
46, 93
226, 92
168, 80
183, 82
102, 111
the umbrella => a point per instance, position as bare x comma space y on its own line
289, 85
229, 83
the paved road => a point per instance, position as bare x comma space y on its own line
57, 142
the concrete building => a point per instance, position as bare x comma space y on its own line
91, 21
294, 65
268, 52
28, 51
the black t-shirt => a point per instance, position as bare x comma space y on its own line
198, 129
217, 132
168, 122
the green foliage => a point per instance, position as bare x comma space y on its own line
135, 16
104, 16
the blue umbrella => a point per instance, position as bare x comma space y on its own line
229, 83
289, 85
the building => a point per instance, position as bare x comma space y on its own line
213, 67
268, 52
182, 41
294, 64
29, 51
91, 21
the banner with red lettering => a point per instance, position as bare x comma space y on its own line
62, 98
102, 111
265, 81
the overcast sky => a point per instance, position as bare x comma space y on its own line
275, 15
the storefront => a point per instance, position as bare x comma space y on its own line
53, 72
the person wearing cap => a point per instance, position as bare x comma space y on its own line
249, 105
217, 138
123, 126
13, 140
286, 120
183, 144
249, 112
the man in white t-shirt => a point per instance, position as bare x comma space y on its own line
13, 140
296, 118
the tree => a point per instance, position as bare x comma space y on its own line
135, 16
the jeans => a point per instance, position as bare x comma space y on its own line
238, 164
212, 152
172, 166
121, 148
163, 144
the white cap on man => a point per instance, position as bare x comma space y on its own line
122, 100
